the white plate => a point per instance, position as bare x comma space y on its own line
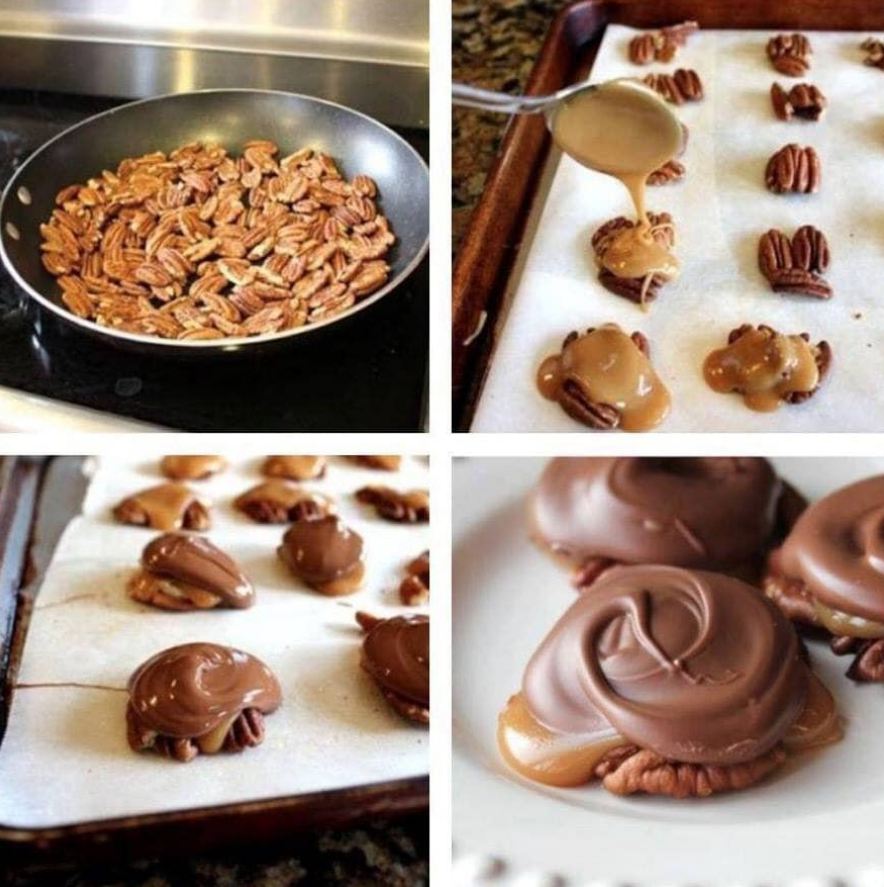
817, 819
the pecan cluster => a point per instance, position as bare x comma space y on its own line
683, 85
796, 266
415, 587
635, 289
822, 353
199, 244
405, 508
804, 100
141, 510
631, 770
790, 54
794, 169
661, 45
573, 400
874, 50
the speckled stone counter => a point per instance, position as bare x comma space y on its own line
494, 44
383, 854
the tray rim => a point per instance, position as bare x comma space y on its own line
484, 265
243, 822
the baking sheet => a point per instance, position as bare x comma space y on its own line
720, 208
65, 758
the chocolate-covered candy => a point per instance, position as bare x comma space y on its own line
659, 666
411, 507
709, 513
192, 467
180, 571
294, 467
325, 554
281, 502
830, 572
396, 653
165, 507
382, 463
200, 698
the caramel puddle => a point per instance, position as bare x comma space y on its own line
764, 367
607, 367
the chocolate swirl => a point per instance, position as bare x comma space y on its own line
196, 561
837, 549
698, 667
396, 653
710, 513
190, 690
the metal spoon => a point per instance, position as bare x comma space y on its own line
489, 100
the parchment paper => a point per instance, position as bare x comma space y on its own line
65, 757
720, 208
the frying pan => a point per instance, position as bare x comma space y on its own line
229, 117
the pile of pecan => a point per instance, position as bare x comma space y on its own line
874, 50
660, 46
203, 245
790, 54
793, 169
803, 100
683, 85
796, 266
636, 289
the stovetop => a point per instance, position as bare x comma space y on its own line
369, 376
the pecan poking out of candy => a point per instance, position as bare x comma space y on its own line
684, 85
661, 46
868, 653
415, 587
412, 507
804, 100
630, 770
794, 169
874, 50
795, 266
790, 54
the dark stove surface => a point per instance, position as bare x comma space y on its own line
365, 374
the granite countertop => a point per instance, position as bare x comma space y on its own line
392, 854
494, 44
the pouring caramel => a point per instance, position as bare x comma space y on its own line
605, 367
764, 366
625, 130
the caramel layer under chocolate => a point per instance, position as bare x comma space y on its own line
396, 653
165, 507
325, 554
294, 467
191, 698
192, 467
710, 513
279, 502
382, 463
180, 571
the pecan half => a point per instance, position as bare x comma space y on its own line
671, 171
600, 416
790, 54
589, 571
868, 663
774, 252
793, 169
797, 281
810, 249
635, 770
412, 507
642, 49
822, 353
683, 85
247, 731
415, 587
874, 50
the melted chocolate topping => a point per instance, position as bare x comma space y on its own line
837, 549
321, 551
190, 690
710, 513
396, 653
698, 667
196, 561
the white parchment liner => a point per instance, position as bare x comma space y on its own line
65, 758
720, 209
